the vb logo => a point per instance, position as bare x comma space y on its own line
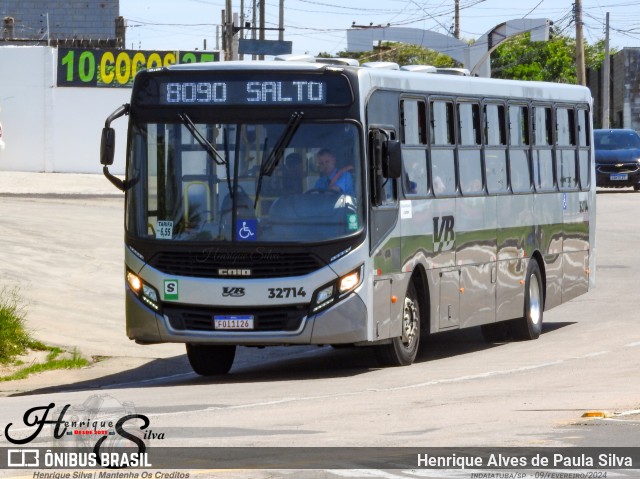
232, 291
443, 233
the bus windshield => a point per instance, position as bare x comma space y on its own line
243, 182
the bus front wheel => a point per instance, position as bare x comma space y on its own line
210, 360
402, 351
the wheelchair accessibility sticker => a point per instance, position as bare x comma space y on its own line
246, 230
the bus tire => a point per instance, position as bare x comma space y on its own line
402, 351
530, 325
210, 360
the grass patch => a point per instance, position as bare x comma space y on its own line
16, 343
14, 339
52, 363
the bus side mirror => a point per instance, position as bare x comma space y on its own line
107, 146
391, 159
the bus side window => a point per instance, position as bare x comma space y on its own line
469, 155
542, 152
519, 148
583, 148
416, 176
495, 158
567, 173
413, 122
443, 171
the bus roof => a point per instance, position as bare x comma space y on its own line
417, 81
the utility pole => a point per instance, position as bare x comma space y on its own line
580, 73
254, 22
606, 77
456, 24
224, 34
229, 31
281, 21
242, 25
262, 21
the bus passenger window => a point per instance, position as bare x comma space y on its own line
519, 149
566, 149
443, 172
413, 122
470, 168
543, 170
495, 156
494, 128
583, 148
518, 125
520, 178
469, 139
442, 124
469, 123
583, 128
496, 171
565, 127
542, 126
416, 178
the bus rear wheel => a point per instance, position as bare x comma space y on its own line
530, 325
402, 350
210, 360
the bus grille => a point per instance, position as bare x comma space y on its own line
207, 265
285, 318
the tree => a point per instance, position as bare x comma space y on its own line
400, 53
521, 59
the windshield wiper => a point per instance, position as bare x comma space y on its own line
269, 165
204, 143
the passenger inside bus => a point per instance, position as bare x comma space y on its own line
332, 178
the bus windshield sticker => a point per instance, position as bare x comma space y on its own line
406, 212
246, 230
164, 230
352, 222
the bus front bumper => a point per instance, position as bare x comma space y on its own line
343, 323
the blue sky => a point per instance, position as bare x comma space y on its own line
320, 25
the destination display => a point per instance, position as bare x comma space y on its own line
220, 88
241, 92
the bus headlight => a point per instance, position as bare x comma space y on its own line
332, 292
147, 293
350, 281
134, 282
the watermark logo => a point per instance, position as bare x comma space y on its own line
113, 431
23, 458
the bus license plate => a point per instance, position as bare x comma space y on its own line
232, 322
619, 177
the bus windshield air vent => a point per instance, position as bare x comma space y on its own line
419, 68
295, 58
454, 71
383, 65
352, 62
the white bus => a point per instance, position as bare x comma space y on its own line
291, 203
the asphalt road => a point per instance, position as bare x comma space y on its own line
66, 257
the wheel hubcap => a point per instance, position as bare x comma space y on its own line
534, 299
409, 322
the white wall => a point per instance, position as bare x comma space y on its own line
51, 129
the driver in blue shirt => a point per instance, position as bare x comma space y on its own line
332, 178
